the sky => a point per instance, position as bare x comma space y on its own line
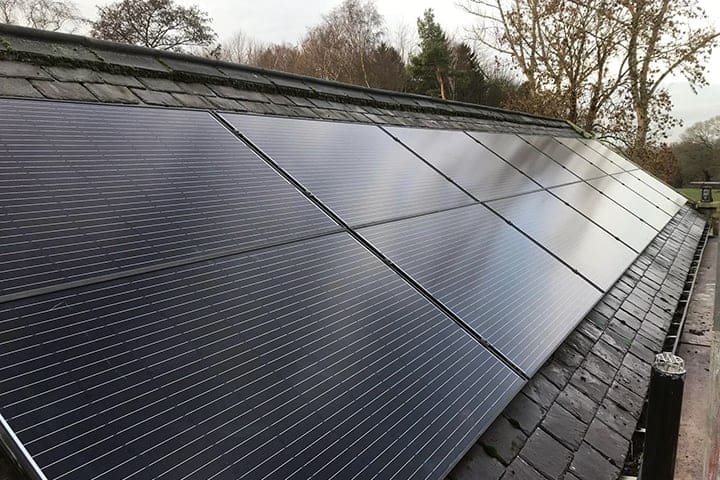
287, 20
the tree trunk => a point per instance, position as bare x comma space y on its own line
441, 81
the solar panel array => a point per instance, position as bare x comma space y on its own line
205, 295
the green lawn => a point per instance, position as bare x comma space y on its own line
693, 193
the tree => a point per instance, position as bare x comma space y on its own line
386, 68
340, 47
698, 151
240, 48
429, 69
467, 81
154, 23
51, 15
601, 63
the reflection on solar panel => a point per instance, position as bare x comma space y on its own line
301, 360
357, 170
564, 156
608, 214
631, 201
590, 155
569, 235
616, 158
466, 162
525, 158
642, 189
89, 190
509, 290
660, 187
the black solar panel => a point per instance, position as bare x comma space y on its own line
600, 161
569, 235
357, 170
509, 290
647, 192
607, 152
564, 156
631, 201
466, 162
660, 187
306, 360
608, 214
526, 158
90, 189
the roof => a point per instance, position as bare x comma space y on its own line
576, 413
56, 66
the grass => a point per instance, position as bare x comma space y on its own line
694, 195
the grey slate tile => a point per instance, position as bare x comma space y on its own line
237, 94
546, 454
564, 426
124, 80
66, 74
503, 440
156, 98
577, 403
600, 368
521, 470
18, 87
559, 374
63, 90
611, 444
524, 413
22, 70
194, 101
541, 390
568, 355
626, 398
616, 418
196, 89
160, 84
112, 93
589, 384
588, 464
477, 464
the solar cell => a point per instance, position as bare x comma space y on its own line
564, 156
88, 190
357, 170
311, 359
607, 152
466, 162
631, 201
600, 161
510, 291
608, 214
660, 187
526, 158
647, 192
573, 238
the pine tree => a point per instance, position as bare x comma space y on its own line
430, 68
468, 83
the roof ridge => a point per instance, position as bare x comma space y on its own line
169, 63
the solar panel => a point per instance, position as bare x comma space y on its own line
608, 214
357, 170
311, 359
631, 201
564, 156
569, 235
526, 158
88, 190
645, 191
660, 187
607, 152
590, 155
466, 162
505, 287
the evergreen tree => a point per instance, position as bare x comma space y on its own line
468, 83
430, 68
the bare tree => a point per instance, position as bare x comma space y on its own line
154, 23
240, 48
50, 15
600, 63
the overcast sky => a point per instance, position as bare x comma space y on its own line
287, 21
